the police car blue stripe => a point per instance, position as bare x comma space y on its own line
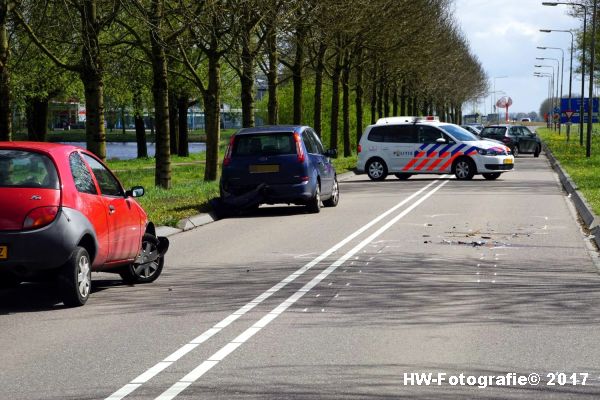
432, 149
445, 149
471, 149
456, 150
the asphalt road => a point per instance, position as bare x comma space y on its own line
429, 275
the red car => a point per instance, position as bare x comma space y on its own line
63, 214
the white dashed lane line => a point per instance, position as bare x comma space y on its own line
207, 365
185, 349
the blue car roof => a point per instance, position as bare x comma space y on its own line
271, 129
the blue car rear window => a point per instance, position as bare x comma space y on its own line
264, 144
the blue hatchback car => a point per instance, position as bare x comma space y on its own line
286, 164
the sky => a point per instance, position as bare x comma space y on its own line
504, 35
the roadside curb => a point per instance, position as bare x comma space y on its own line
591, 220
199, 220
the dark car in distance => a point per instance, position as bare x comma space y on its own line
287, 163
517, 137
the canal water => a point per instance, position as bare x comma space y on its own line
127, 151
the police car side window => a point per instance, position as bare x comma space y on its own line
428, 134
376, 134
400, 134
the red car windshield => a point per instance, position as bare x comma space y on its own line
25, 169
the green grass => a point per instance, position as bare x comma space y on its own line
585, 172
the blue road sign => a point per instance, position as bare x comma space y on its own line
574, 107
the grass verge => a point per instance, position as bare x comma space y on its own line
585, 172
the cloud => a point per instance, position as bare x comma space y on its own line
504, 36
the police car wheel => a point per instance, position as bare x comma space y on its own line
377, 170
464, 169
491, 176
403, 177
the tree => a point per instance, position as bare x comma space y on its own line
5, 101
211, 27
95, 17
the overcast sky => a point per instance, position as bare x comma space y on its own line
504, 35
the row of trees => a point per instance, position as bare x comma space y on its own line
390, 57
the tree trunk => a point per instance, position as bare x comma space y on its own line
373, 100
403, 100
140, 137
380, 91
346, 108
358, 101
5, 107
272, 75
182, 106
247, 81
386, 101
160, 92
212, 115
335, 103
318, 103
123, 121
415, 106
395, 100
297, 70
173, 124
374, 95
95, 132
91, 74
36, 109
140, 129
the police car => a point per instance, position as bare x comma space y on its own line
405, 146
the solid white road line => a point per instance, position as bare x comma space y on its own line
201, 369
162, 365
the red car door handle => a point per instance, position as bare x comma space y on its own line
111, 209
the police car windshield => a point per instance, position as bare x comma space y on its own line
459, 133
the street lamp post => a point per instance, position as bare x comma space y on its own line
562, 78
549, 91
570, 74
553, 80
581, 108
559, 78
588, 139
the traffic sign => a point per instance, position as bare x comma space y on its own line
574, 107
569, 114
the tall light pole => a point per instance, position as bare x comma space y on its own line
559, 78
581, 107
553, 80
497, 77
588, 139
549, 91
570, 74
